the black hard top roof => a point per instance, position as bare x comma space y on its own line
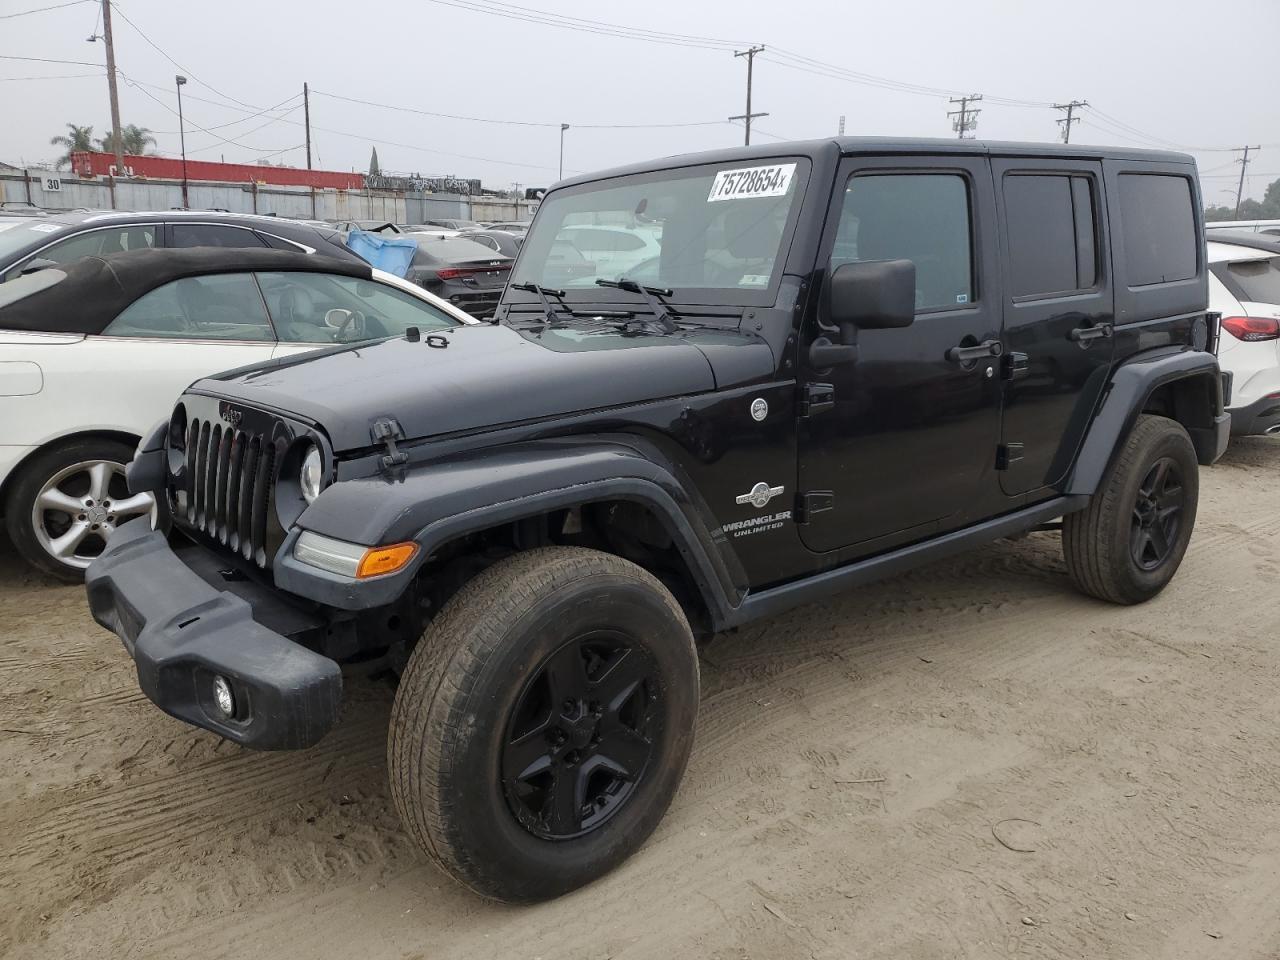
96, 289
906, 146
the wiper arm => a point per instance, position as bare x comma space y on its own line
662, 316
543, 293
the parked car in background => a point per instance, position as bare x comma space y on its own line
511, 226
1244, 286
418, 229
613, 250
373, 226
469, 275
452, 223
505, 243
64, 237
95, 352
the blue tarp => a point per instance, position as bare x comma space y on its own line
390, 253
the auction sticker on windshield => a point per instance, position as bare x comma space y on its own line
752, 182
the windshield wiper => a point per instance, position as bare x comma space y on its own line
543, 293
662, 316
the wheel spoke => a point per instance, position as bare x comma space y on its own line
617, 683
1139, 538
567, 675
133, 506
625, 751
565, 813
526, 757
1159, 542
55, 499
1169, 499
100, 481
1159, 476
64, 547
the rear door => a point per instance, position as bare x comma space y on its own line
1059, 314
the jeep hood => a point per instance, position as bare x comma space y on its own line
486, 376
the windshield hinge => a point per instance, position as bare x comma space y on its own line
817, 398
387, 431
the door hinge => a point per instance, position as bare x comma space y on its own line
817, 398
1008, 454
814, 502
1014, 366
387, 431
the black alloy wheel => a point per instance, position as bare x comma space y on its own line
1157, 512
581, 735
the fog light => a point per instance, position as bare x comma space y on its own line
223, 697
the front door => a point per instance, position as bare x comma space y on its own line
1058, 313
910, 436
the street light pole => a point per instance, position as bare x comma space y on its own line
182, 139
563, 128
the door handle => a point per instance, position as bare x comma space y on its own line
968, 354
1085, 334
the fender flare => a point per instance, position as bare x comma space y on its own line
443, 500
1131, 386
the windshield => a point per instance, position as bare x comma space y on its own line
1259, 279
710, 228
18, 234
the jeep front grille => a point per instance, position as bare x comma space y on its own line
229, 478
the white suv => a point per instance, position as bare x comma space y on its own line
1244, 286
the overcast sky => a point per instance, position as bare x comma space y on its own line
1153, 67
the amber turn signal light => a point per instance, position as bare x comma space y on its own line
382, 560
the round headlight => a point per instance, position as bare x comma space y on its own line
310, 476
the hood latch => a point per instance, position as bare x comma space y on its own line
387, 431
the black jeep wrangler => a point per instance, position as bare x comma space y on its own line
787, 370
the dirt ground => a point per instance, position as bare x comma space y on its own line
969, 761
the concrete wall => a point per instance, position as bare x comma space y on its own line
245, 198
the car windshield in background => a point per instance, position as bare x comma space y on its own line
1259, 279
716, 227
23, 233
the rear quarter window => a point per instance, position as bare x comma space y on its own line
1158, 227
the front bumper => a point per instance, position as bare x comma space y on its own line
182, 633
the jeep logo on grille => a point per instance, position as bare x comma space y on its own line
230, 414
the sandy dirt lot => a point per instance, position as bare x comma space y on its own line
970, 761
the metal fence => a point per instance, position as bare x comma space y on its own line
73, 192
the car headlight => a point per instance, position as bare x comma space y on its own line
311, 475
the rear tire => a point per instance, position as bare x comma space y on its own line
543, 722
1127, 544
65, 502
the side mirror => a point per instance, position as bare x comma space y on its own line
872, 295
39, 263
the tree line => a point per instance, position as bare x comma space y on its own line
134, 141
1268, 208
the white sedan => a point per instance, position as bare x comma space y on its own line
95, 353
1244, 286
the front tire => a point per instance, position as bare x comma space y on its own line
543, 722
1127, 544
67, 500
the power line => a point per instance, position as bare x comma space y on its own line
235, 143
74, 63
56, 6
966, 118
57, 76
1069, 119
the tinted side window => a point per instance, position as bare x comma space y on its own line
1052, 230
921, 217
218, 307
211, 235
327, 308
97, 243
1159, 228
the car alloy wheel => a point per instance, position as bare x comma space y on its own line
580, 736
80, 506
1157, 513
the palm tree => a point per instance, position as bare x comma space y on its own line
133, 141
76, 140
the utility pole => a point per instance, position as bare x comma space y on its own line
1244, 165
966, 118
841, 125
1070, 118
306, 119
116, 139
182, 139
750, 54
563, 128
